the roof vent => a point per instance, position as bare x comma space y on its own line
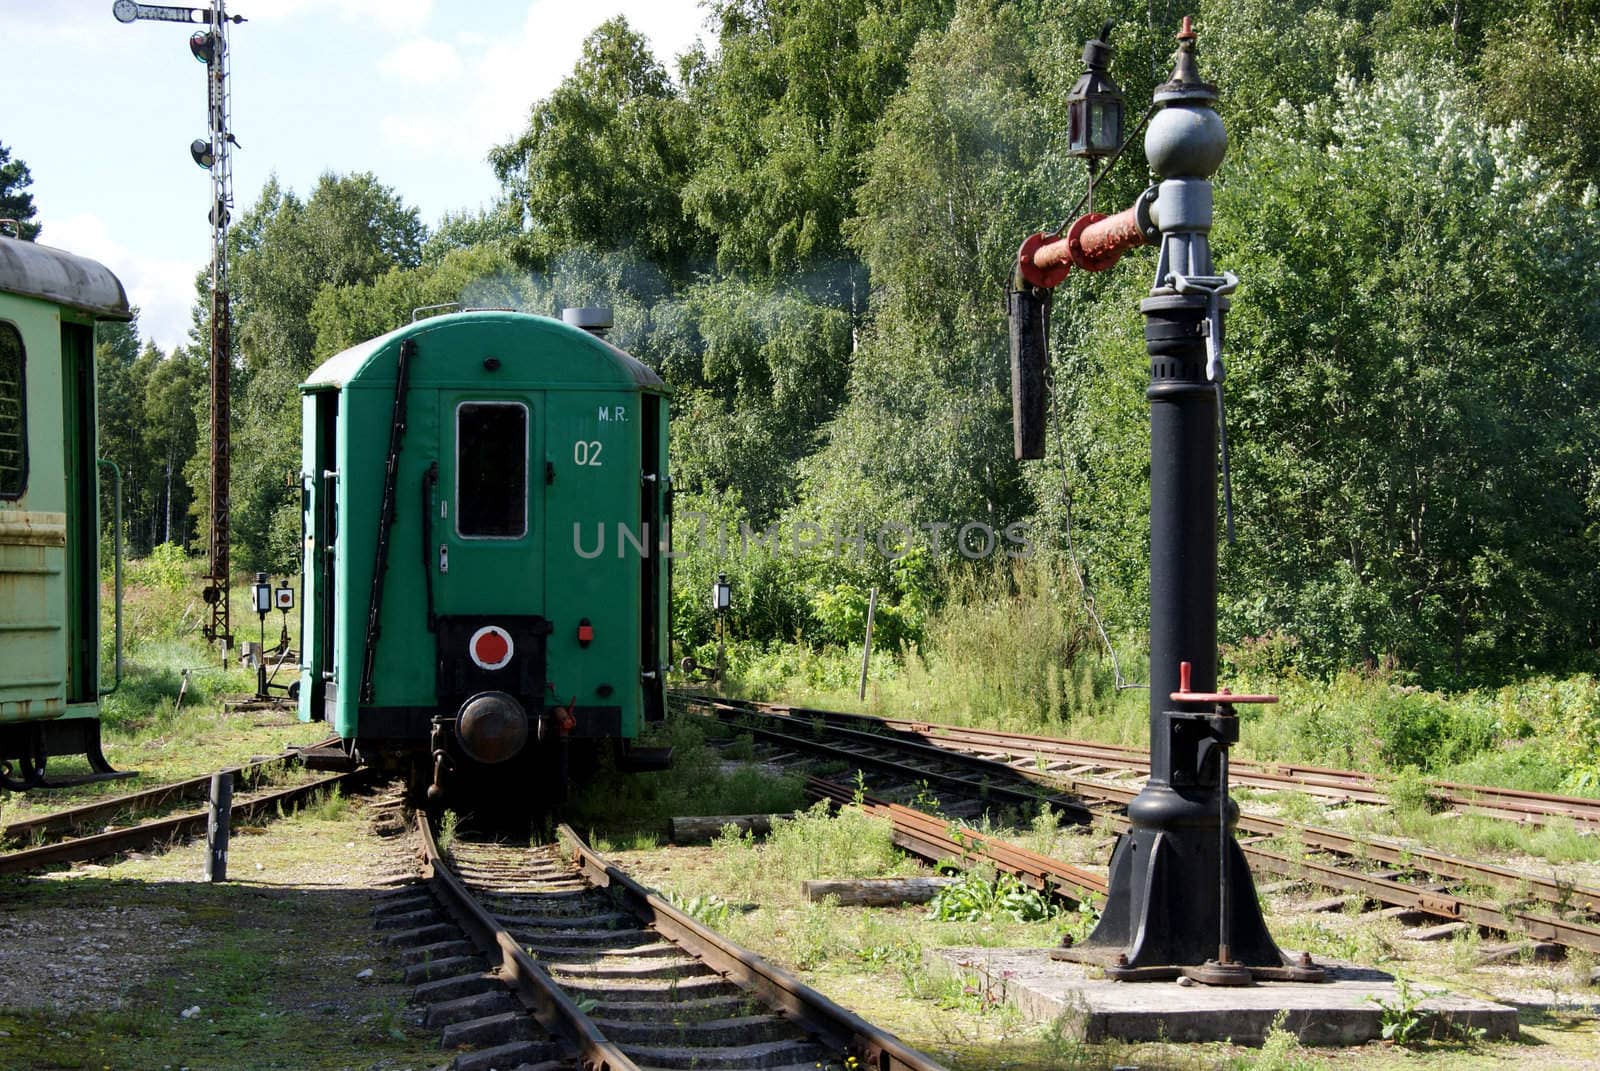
595, 319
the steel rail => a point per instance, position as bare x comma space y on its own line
546, 1001
1454, 908
1511, 804
149, 799
936, 839
838, 1027
1427, 901
981, 788
157, 830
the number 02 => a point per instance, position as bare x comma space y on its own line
586, 453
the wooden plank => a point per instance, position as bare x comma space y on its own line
875, 892
701, 829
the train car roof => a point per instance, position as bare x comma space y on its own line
54, 275
576, 357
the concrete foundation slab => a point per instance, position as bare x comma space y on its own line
1337, 1012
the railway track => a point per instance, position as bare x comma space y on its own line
79, 834
1386, 872
1082, 757
555, 958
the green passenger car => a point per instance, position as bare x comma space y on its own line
473, 463
50, 676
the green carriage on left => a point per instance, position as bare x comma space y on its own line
50, 674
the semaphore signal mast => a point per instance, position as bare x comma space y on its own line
210, 46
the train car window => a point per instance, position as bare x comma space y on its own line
492, 470
13, 415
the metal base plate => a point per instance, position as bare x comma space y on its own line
1213, 973
1300, 969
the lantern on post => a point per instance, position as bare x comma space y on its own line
261, 598
721, 603
1094, 107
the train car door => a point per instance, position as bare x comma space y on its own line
488, 517
83, 513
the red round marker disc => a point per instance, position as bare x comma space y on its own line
490, 647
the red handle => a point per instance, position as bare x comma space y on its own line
1184, 695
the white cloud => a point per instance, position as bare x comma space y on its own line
422, 61
420, 132
162, 289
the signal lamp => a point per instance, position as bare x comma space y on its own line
203, 46
262, 590
200, 149
1094, 107
721, 594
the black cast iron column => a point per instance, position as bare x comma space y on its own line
1163, 909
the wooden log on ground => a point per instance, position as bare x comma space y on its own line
701, 829
876, 892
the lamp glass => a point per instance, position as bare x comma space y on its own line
1094, 116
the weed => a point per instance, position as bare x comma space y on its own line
976, 897
815, 938
1401, 1019
328, 805
1410, 792
1280, 1050
709, 909
447, 830
925, 800
742, 747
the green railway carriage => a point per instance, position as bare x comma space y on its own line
50, 677
473, 463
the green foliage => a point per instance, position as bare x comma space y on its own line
786, 113
979, 897
16, 202
166, 568
1386, 526
605, 157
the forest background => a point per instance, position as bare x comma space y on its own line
808, 234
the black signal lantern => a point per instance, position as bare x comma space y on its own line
261, 594
200, 150
1094, 107
203, 46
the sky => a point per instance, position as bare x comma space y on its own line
415, 91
